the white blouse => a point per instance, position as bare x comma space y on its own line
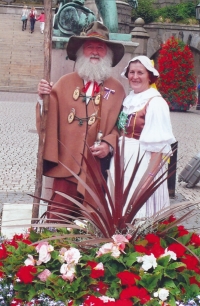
157, 135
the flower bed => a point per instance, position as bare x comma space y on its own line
155, 269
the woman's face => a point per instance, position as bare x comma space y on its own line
138, 77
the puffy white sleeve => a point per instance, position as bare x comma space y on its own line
157, 133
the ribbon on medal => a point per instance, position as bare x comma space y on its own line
108, 92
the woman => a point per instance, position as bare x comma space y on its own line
24, 17
33, 16
41, 18
145, 121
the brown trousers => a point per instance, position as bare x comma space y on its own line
63, 206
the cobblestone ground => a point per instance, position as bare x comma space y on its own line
19, 143
18, 150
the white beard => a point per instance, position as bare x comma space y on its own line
99, 71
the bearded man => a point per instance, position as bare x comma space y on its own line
83, 110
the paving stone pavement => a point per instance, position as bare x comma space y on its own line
19, 145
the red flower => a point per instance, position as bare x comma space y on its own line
129, 292
195, 239
191, 262
127, 278
100, 287
141, 249
16, 302
93, 300
25, 274
182, 231
156, 250
143, 296
194, 281
95, 273
120, 303
177, 248
3, 252
152, 238
140, 293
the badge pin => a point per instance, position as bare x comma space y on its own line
76, 93
71, 115
91, 120
97, 99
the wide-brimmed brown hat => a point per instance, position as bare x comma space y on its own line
95, 31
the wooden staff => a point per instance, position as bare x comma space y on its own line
47, 71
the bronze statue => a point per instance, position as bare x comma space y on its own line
73, 16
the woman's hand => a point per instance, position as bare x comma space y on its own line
44, 88
101, 150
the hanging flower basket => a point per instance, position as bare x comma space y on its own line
177, 107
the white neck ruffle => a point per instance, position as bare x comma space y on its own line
136, 101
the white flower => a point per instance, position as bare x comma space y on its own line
106, 299
140, 259
162, 293
81, 224
99, 266
72, 256
44, 250
68, 271
170, 253
149, 261
29, 261
109, 248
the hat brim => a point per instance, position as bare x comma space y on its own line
75, 42
145, 61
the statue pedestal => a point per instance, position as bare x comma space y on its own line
61, 65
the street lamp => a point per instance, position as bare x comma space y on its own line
198, 18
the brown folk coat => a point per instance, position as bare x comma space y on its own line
66, 141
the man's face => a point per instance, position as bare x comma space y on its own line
94, 50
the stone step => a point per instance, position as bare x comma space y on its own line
21, 55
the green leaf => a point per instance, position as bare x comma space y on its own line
170, 273
175, 265
163, 261
150, 281
132, 258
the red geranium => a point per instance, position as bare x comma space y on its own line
177, 248
95, 273
26, 274
195, 239
182, 231
3, 252
194, 281
191, 262
16, 302
127, 278
100, 287
140, 293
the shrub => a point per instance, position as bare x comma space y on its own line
145, 10
177, 13
177, 82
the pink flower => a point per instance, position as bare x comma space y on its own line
44, 275
72, 255
120, 240
29, 261
68, 272
109, 248
44, 250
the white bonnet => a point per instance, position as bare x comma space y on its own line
145, 61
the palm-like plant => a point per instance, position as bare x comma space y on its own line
108, 216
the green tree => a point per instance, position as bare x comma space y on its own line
145, 10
